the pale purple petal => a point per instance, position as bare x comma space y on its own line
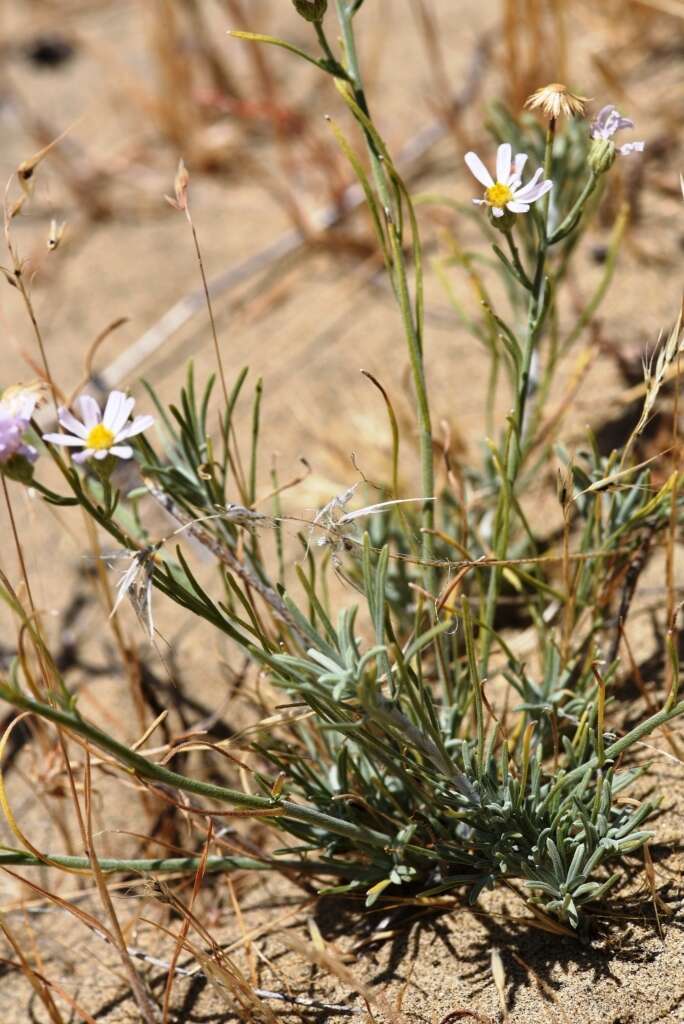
141, 423
65, 439
84, 455
599, 125
522, 192
517, 207
478, 169
631, 147
608, 121
28, 451
71, 423
89, 410
122, 451
536, 193
622, 122
503, 162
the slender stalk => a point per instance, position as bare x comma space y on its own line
179, 865
571, 220
145, 769
345, 13
515, 441
210, 310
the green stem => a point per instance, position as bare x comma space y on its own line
570, 222
548, 166
515, 443
400, 282
177, 865
517, 262
157, 773
335, 66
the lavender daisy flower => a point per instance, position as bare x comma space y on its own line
607, 123
507, 192
16, 410
100, 435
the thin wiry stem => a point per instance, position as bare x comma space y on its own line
412, 326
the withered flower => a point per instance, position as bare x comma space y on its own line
556, 99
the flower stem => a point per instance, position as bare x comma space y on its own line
515, 440
178, 865
153, 772
569, 222
412, 326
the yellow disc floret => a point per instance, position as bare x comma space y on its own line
100, 438
498, 195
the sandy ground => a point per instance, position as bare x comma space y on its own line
307, 332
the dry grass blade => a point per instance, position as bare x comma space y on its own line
656, 370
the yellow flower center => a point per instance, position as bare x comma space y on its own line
498, 195
99, 438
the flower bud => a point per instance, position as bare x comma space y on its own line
103, 468
602, 154
18, 468
503, 223
312, 10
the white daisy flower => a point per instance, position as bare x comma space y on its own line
100, 434
608, 122
507, 192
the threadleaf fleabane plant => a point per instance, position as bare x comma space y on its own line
433, 744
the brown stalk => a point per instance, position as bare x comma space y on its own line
185, 925
139, 992
35, 981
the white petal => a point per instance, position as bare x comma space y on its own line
540, 191
517, 207
101, 453
65, 439
72, 424
89, 410
522, 193
478, 169
497, 211
122, 451
503, 162
139, 424
117, 411
479, 202
518, 165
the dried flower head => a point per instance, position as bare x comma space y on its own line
136, 584
556, 99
